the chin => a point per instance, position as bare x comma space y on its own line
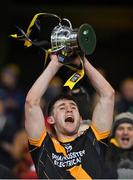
125, 146
71, 132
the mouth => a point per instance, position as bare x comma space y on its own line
125, 139
69, 119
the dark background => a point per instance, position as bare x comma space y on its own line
112, 21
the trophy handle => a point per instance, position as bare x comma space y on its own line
52, 15
70, 25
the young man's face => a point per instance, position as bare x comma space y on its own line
124, 135
66, 117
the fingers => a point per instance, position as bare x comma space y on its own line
55, 59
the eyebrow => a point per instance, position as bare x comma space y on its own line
63, 104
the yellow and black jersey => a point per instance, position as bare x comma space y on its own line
80, 158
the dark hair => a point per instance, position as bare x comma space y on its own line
57, 98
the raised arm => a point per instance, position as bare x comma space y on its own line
34, 118
103, 112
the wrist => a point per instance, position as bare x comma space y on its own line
54, 62
85, 63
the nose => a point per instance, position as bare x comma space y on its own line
68, 108
125, 131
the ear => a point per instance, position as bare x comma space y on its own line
81, 119
50, 120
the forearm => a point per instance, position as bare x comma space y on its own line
103, 112
41, 84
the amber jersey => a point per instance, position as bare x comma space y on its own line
77, 159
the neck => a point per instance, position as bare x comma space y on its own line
66, 138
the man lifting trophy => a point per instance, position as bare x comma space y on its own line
65, 151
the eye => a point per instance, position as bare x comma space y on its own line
73, 107
120, 129
130, 128
62, 108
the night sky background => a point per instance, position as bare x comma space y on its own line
111, 20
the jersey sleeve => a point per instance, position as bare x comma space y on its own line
38, 142
99, 135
